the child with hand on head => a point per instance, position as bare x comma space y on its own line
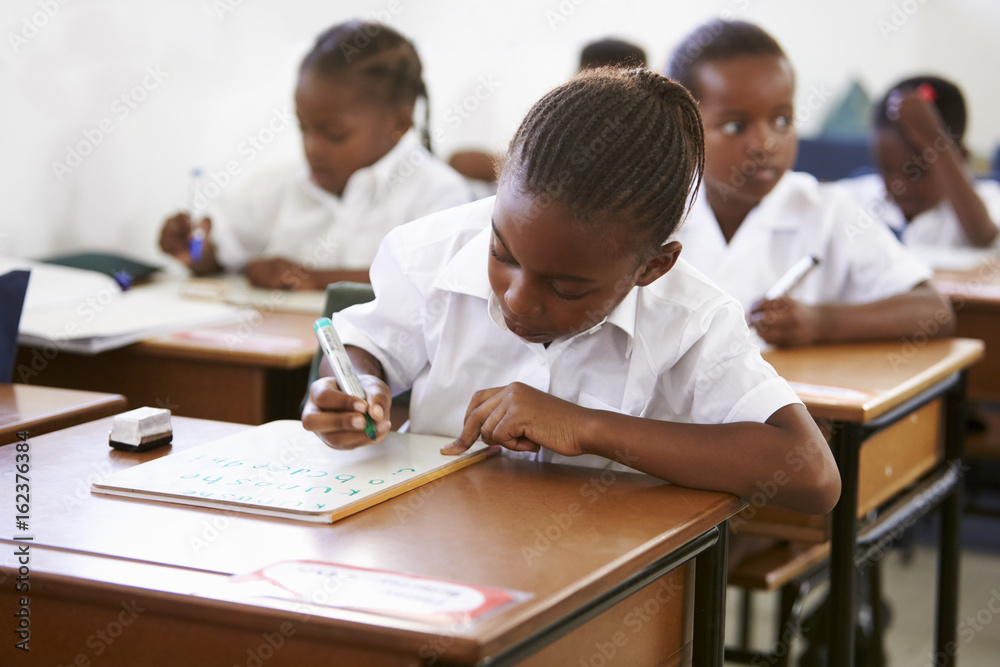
557, 321
754, 218
924, 190
306, 226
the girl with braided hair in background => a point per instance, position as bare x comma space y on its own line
364, 172
557, 319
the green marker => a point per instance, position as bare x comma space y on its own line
341, 365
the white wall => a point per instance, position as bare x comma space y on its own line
183, 83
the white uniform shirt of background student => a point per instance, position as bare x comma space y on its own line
282, 212
860, 261
937, 227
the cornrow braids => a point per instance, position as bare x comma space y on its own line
378, 54
716, 41
613, 145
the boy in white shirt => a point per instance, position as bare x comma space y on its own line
558, 318
924, 190
305, 226
754, 219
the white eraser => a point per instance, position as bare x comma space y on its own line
142, 428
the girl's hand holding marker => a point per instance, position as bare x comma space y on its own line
361, 416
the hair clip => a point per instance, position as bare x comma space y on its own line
892, 104
926, 92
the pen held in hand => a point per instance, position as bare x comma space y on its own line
340, 364
787, 283
197, 243
791, 278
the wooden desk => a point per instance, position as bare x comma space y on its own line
639, 572
975, 294
41, 410
885, 440
250, 372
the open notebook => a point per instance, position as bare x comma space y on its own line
280, 469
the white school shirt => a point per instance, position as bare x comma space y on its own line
859, 259
676, 350
282, 213
937, 227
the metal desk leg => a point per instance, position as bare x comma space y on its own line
710, 601
846, 444
951, 521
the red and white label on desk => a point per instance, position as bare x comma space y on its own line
424, 599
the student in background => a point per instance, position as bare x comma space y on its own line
611, 52
365, 173
560, 314
924, 190
754, 218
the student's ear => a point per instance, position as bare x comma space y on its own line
660, 263
402, 121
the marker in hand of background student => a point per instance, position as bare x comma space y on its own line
773, 297
197, 242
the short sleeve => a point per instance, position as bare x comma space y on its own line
720, 377
876, 265
390, 327
440, 187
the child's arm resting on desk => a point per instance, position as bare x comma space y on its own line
787, 453
923, 310
337, 417
280, 273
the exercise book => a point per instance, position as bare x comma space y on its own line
280, 469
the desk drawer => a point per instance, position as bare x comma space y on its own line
653, 626
894, 458
889, 461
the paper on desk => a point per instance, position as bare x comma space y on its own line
424, 599
53, 286
86, 312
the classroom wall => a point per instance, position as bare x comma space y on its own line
106, 106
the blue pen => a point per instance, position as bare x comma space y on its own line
341, 366
197, 242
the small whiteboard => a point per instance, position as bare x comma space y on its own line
280, 469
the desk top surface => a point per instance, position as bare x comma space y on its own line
858, 382
42, 409
979, 284
276, 339
563, 534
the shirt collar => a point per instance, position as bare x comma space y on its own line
379, 177
466, 274
772, 210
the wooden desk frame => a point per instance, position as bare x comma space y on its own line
941, 488
710, 551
